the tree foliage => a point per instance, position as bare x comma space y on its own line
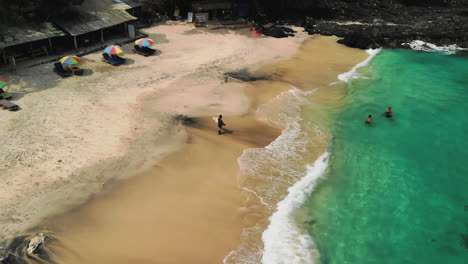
14, 11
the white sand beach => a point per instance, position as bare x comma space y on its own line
75, 136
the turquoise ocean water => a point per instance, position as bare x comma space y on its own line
397, 191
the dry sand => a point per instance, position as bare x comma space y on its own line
75, 136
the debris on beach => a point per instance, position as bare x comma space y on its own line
21, 249
35, 242
184, 120
5, 104
245, 76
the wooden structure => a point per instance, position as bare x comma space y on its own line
211, 5
85, 21
16, 35
223, 9
131, 6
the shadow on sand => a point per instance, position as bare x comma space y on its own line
226, 131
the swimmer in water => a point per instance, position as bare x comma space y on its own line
389, 113
369, 120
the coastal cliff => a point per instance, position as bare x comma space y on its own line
376, 23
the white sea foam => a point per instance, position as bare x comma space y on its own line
256, 195
353, 74
429, 47
285, 243
268, 172
275, 158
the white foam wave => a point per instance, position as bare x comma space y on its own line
429, 47
284, 242
282, 111
225, 260
353, 74
268, 172
262, 201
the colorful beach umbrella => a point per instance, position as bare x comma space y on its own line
144, 42
70, 60
3, 83
113, 50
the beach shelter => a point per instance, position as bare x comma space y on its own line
71, 60
144, 42
113, 50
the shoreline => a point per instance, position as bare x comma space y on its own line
129, 98
286, 223
303, 111
258, 93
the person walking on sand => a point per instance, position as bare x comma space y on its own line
369, 120
220, 124
389, 113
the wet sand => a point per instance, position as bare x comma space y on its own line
184, 210
190, 207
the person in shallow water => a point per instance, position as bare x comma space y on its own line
388, 113
220, 124
369, 120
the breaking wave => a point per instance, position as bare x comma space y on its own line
285, 243
278, 178
353, 74
429, 47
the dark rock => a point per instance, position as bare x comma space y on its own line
376, 23
11, 259
278, 32
20, 249
245, 76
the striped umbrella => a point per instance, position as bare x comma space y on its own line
3, 83
70, 60
113, 50
144, 42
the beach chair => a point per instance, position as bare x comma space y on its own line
149, 50
58, 68
5, 104
118, 58
5, 95
141, 51
107, 58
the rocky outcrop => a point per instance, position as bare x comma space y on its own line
377, 23
27, 248
445, 27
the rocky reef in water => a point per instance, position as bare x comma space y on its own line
375, 23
